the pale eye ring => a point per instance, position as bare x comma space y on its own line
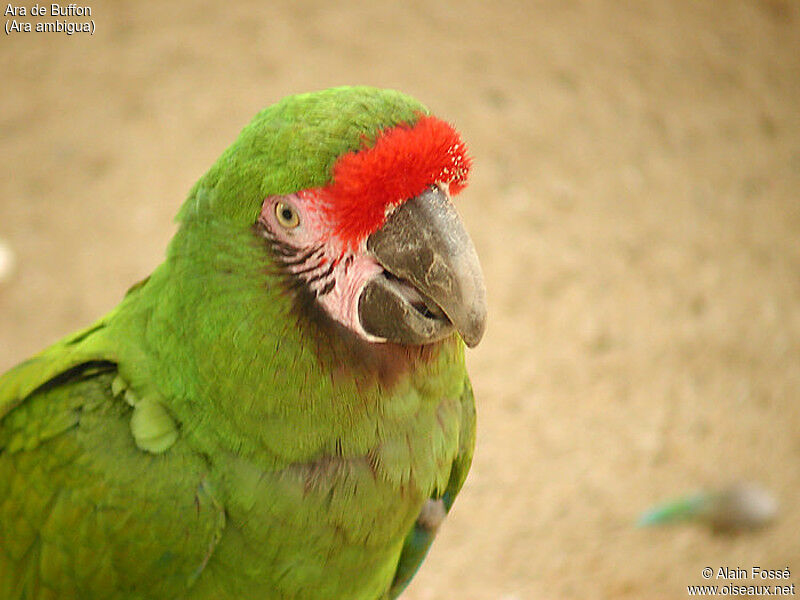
286, 215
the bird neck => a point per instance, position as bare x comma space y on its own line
247, 365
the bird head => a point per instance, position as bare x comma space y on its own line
351, 190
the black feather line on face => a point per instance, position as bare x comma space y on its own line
288, 256
310, 260
309, 267
282, 250
285, 251
321, 275
328, 288
304, 257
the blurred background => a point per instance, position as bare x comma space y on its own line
634, 202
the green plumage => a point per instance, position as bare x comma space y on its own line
204, 439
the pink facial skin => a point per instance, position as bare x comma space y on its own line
333, 272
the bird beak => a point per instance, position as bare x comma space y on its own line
432, 281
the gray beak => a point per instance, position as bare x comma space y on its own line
432, 282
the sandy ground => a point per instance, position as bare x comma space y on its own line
634, 203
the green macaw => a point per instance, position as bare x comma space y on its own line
281, 410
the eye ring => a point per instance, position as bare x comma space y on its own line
286, 215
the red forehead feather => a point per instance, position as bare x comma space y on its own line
400, 165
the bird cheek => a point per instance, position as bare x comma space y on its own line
352, 275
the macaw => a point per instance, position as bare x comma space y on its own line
281, 409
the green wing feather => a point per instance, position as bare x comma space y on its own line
21, 381
83, 511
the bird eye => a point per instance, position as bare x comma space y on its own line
286, 215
